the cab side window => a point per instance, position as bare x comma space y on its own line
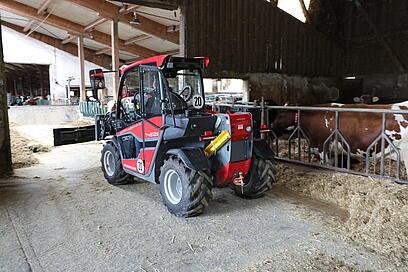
131, 95
151, 90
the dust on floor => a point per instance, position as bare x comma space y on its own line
23, 150
312, 261
378, 209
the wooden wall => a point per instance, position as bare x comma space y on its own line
243, 37
366, 54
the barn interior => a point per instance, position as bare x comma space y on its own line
334, 71
28, 80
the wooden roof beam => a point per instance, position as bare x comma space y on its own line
90, 55
88, 27
95, 23
44, 6
171, 52
305, 11
29, 25
137, 39
148, 26
103, 51
72, 27
69, 39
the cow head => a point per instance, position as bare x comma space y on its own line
285, 122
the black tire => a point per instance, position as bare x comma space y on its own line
261, 177
114, 172
195, 188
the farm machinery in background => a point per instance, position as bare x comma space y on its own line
161, 131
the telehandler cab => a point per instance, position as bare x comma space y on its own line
160, 131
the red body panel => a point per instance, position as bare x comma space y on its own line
226, 173
239, 124
152, 133
130, 165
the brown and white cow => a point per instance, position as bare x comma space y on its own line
359, 129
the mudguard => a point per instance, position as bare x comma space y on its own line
193, 158
263, 150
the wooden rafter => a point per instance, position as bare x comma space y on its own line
137, 39
90, 55
29, 25
148, 26
72, 27
95, 23
44, 6
103, 51
305, 11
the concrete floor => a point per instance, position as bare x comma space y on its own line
60, 215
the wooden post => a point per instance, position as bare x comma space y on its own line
182, 32
5, 151
115, 53
81, 58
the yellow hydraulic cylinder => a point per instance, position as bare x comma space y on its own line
217, 143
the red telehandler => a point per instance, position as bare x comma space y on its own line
160, 131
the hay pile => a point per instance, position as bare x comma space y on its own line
378, 209
23, 150
79, 123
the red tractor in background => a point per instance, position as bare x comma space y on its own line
160, 131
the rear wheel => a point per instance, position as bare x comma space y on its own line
260, 179
112, 165
185, 192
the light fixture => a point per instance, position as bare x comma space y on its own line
135, 20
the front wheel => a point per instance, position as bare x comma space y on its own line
259, 180
185, 192
112, 165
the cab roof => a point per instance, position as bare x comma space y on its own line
156, 61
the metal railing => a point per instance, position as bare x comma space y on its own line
91, 108
381, 157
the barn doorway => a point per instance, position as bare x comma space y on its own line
27, 84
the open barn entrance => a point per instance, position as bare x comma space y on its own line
27, 83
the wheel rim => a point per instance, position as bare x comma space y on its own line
173, 187
109, 163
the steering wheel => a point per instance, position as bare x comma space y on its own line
186, 93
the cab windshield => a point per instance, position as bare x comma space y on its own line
187, 85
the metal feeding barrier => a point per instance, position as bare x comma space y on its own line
382, 158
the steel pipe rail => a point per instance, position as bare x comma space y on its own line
361, 110
335, 147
